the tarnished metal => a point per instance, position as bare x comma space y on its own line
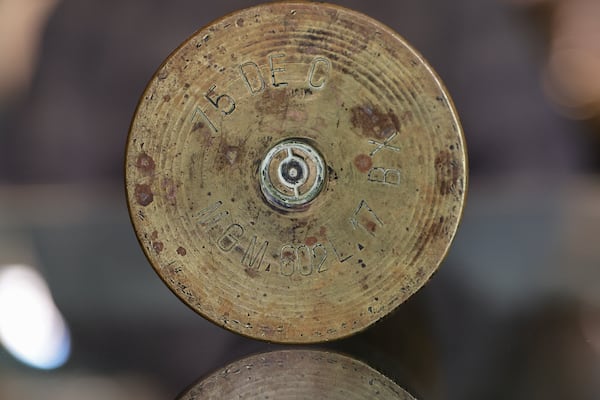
295, 171
292, 174
296, 374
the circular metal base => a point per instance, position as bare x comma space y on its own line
295, 171
292, 174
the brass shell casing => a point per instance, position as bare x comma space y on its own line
393, 186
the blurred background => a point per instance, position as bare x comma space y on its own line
514, 311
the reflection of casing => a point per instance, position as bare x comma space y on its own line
296, 374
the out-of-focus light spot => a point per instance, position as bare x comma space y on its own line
590, 323
571, 78
31, 326
571, 81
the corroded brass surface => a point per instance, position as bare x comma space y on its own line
297, 374
367, 103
